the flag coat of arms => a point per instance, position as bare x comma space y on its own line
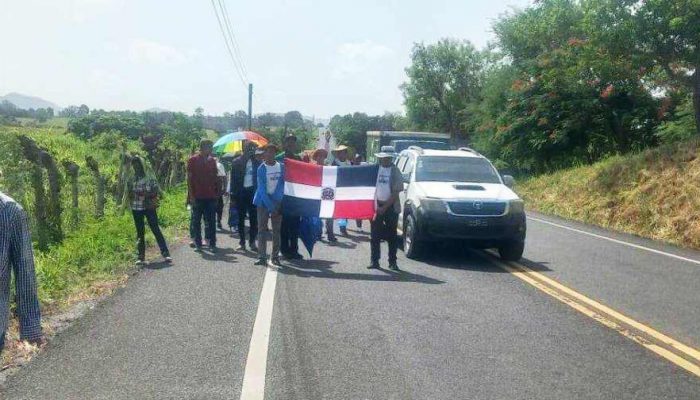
329, 192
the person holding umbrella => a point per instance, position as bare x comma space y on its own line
244, 183
268, 199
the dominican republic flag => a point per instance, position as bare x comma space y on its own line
329, 192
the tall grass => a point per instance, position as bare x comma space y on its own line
654, 193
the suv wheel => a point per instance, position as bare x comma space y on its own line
412, 245
511, 250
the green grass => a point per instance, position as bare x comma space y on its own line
94, 250
101, 250
655, 193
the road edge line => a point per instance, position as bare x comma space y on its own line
253, 387
618, 241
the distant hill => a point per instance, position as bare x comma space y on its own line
26, 102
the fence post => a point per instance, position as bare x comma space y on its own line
99, 186
72, 170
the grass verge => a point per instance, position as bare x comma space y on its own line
90, 263
654, 194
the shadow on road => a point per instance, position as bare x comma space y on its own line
388, 276
359, 238
157, 265
539, 266
340, 245
311, 264
222, 254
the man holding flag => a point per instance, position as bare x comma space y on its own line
268, 200
290, 223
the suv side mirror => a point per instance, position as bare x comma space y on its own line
508, 181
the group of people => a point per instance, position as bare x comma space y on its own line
256, 188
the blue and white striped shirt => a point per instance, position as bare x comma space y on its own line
16, 255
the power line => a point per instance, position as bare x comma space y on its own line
232, 35
238, 68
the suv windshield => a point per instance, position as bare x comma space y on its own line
455, 169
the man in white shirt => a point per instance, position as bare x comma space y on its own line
384, 224
244, 181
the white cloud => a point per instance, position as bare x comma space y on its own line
150, 52
357, 58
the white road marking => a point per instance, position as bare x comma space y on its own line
636, 246
256, 364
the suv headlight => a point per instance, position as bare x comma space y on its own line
516, 206
430, 204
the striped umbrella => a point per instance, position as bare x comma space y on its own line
233, 142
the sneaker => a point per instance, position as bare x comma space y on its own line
332, 239
197, 248
168, 259
394, 267
213, 249
374, 265
253, 248
344, 231
261, 261
276, 261
192, 244
140, 262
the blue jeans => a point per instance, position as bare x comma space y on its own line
204, 208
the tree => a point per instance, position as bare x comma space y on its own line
351, 129
293, 120
443, 79
662, 34
83, 110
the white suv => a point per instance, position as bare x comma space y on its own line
458, 195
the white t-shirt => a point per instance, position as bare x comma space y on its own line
274, 174
220, 170
384, 184
248, 176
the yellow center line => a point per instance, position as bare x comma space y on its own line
663, 345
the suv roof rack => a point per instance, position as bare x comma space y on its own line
470, 150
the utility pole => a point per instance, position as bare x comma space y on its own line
250, 106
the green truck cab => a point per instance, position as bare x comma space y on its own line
377, 139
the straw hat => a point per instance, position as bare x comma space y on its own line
340, 148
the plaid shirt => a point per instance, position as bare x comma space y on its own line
16, 255
143, 192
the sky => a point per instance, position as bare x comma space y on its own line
321, 57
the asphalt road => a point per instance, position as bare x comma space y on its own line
457, 325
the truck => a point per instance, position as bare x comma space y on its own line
378, 139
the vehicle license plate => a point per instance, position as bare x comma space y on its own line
477, 222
